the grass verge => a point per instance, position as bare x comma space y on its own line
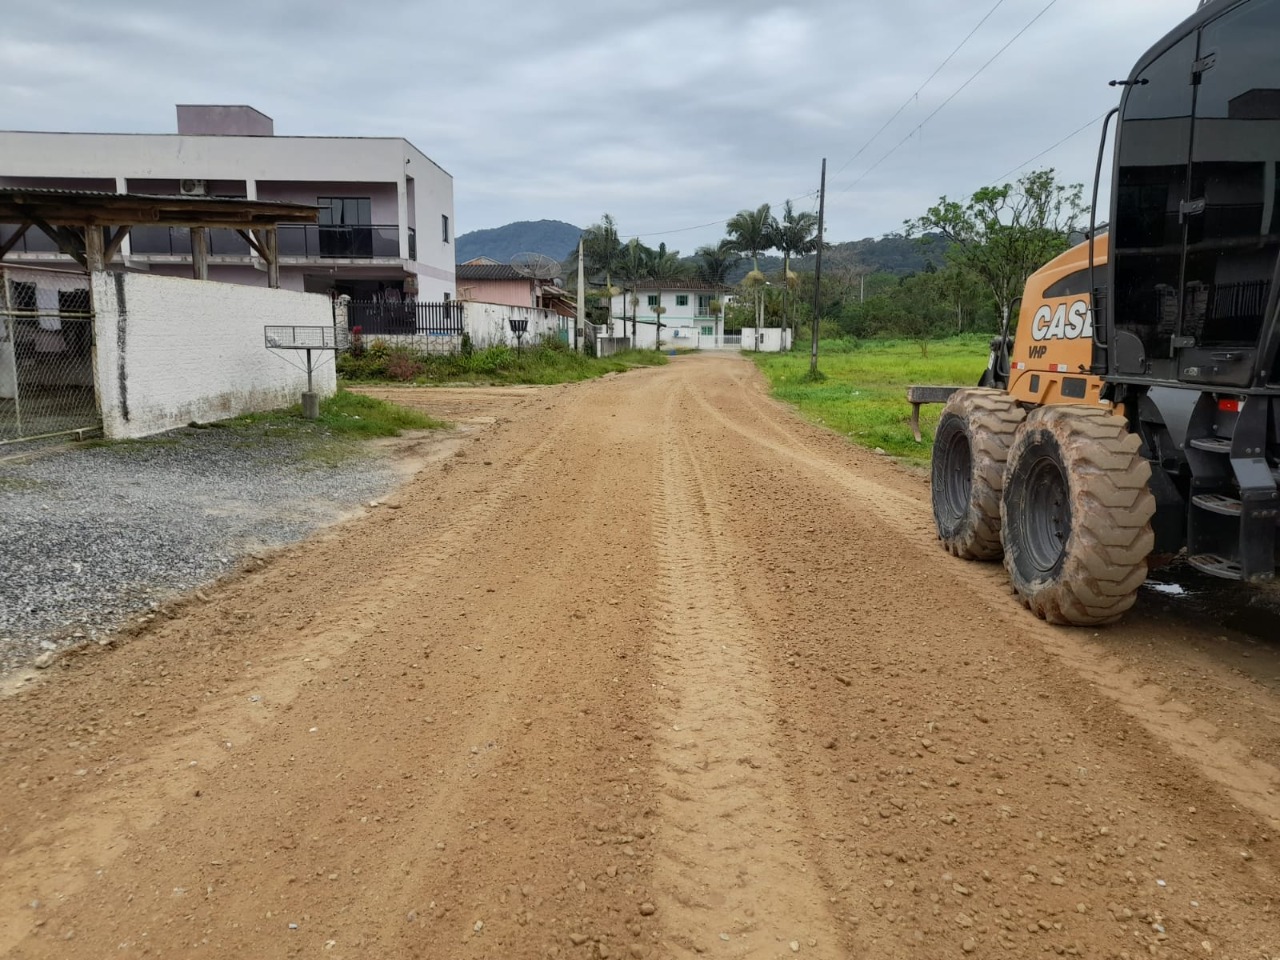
344, 415
864, 393
542, 364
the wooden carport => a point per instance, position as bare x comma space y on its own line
89, 226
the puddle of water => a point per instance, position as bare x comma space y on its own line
1252, 609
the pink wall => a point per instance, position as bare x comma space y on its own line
516, 293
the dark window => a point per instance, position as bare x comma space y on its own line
653, 299
1074, 387
344, 226
1154, 146
22, 296
444, 227
345, 211
73, 302
1232, 244
1072, 285
682, 299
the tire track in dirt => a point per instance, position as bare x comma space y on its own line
203, 743
732, 871
1253, 782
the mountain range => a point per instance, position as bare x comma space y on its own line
555, 238
890, 254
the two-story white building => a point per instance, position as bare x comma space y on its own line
385, 208
690, 313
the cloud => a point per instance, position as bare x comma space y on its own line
667, 115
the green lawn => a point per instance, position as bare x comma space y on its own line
864, 395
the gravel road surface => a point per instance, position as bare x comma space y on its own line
93, 534
649, 668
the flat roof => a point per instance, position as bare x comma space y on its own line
58, 207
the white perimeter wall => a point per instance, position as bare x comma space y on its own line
487, 323
172, 350
772, 339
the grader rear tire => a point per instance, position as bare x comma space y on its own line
1076, 515
969, 451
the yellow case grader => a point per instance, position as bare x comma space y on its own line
1137, 410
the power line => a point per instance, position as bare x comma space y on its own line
906, 103
977, 73
916, 129
713, 223
1026, 163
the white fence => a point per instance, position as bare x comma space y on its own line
171, 351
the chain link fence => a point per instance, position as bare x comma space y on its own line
46, 354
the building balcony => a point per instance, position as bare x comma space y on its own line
298, 241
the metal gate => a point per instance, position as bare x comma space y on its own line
46, 354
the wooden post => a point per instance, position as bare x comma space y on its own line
200, 253
93, 248
273, 258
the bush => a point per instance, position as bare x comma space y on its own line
404, 367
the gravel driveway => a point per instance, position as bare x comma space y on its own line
90, 534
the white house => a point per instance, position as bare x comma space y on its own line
386, 208
690, 317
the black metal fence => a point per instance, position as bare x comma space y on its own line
407, 318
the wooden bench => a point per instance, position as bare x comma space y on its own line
917, 395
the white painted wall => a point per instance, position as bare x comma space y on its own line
487, 323
772, 339
682, 334
172, 350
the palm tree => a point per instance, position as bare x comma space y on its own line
631, 268
794, 236
663, 268
751, 232
601, 254
716, 263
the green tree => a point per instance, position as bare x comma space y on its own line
714, 264
1004, 234
752, 232
793, 236
631, 268
663, 267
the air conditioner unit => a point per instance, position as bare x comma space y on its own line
192, 188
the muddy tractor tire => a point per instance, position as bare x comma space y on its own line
1076, 515
969, 451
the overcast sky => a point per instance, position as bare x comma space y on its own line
669, 114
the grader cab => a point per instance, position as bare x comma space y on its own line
1136, 411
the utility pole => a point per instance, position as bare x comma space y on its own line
817, 276
582, 297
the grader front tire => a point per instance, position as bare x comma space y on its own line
969, 451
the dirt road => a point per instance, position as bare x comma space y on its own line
645, 667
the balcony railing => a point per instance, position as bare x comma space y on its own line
176, 242
363, 242
296, 240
